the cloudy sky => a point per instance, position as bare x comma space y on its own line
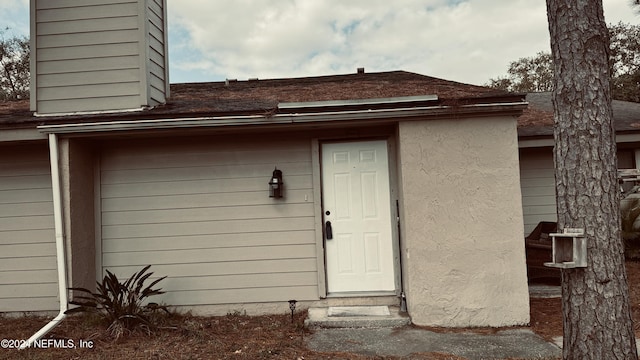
464, 40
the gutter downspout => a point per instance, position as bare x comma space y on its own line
60, 248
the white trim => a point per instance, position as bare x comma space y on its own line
29, 134
33, 45
548, 141
317, 210
222, 121
97, 214
339, 103
624, 138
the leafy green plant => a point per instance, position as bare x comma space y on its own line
122, 305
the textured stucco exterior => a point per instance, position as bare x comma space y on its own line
77, 178
461, 213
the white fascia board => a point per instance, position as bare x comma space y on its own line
21, 134
357, 102
533, 143
291, 119
547, 142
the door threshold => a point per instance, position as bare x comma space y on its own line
361, 294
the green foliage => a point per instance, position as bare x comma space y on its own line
535, 74
624, 59
122, 305
532, 74
14, 67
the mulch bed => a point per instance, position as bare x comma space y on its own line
234, 336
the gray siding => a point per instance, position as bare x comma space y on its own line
537, 181
28, 276
97, 55
157, 61
200, 213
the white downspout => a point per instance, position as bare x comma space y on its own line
60, 248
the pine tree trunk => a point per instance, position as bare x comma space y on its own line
595, 300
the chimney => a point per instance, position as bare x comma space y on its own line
91, 56
360, 70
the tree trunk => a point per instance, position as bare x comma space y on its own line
595, 300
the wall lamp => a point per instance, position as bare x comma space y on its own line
276, 184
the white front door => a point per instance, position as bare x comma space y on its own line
357, 204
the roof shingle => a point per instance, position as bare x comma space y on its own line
255, 97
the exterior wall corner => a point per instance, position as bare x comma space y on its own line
463, 242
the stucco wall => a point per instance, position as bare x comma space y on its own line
463, 248
77, 177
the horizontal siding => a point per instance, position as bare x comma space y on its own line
42, 303
29, 263
28, 280
195, 201
89, 104
86, 38
27, 237
89, 91
243, 281
188, 228
88, 52
97, 64
229, 184
18, 277
200, 213
22, 182
25, 196
156, 68
271, 212
538, 188
67, 14
26, 223
237, 296
60, 4
214, 173
537, 177
87, 56
210, 255
89, 25
208, 241
156, 62
187, 270
88, 77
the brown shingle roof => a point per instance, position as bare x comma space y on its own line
537, 119
260, 96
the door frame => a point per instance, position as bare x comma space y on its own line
394, 194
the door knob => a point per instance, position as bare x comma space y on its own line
328, 230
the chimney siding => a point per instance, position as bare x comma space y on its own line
98, 55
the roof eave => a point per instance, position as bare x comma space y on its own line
332, 117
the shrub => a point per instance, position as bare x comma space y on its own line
121, 305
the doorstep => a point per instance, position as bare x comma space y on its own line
356, 317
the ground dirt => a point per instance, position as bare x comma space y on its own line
234, 336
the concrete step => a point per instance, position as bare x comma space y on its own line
356, 317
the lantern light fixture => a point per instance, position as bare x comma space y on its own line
292, 307
276, 184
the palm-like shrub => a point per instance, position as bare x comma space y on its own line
122, 305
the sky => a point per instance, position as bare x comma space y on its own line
469, 41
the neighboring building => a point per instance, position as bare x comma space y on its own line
417, 176
535, 140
